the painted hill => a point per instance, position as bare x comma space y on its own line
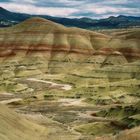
54, 48
41, 35
38, 34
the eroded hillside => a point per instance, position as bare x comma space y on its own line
79, 84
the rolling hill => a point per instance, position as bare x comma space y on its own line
38, 34
41, 35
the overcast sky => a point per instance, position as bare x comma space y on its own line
74, 8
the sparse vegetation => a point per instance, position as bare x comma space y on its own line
86, 84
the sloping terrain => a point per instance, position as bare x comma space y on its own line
65, 44
37, 34
77, 83
15, 127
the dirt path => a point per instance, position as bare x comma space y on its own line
61, 86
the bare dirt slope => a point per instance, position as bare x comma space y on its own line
15, 127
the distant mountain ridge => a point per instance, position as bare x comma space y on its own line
8, 18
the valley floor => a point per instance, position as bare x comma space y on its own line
65, 115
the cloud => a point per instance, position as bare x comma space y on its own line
31, 9
75, 8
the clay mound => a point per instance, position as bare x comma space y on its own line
14, 127
37, 34
38, 24
40, 35
127, 42
38, 20
46, 24
115, 58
